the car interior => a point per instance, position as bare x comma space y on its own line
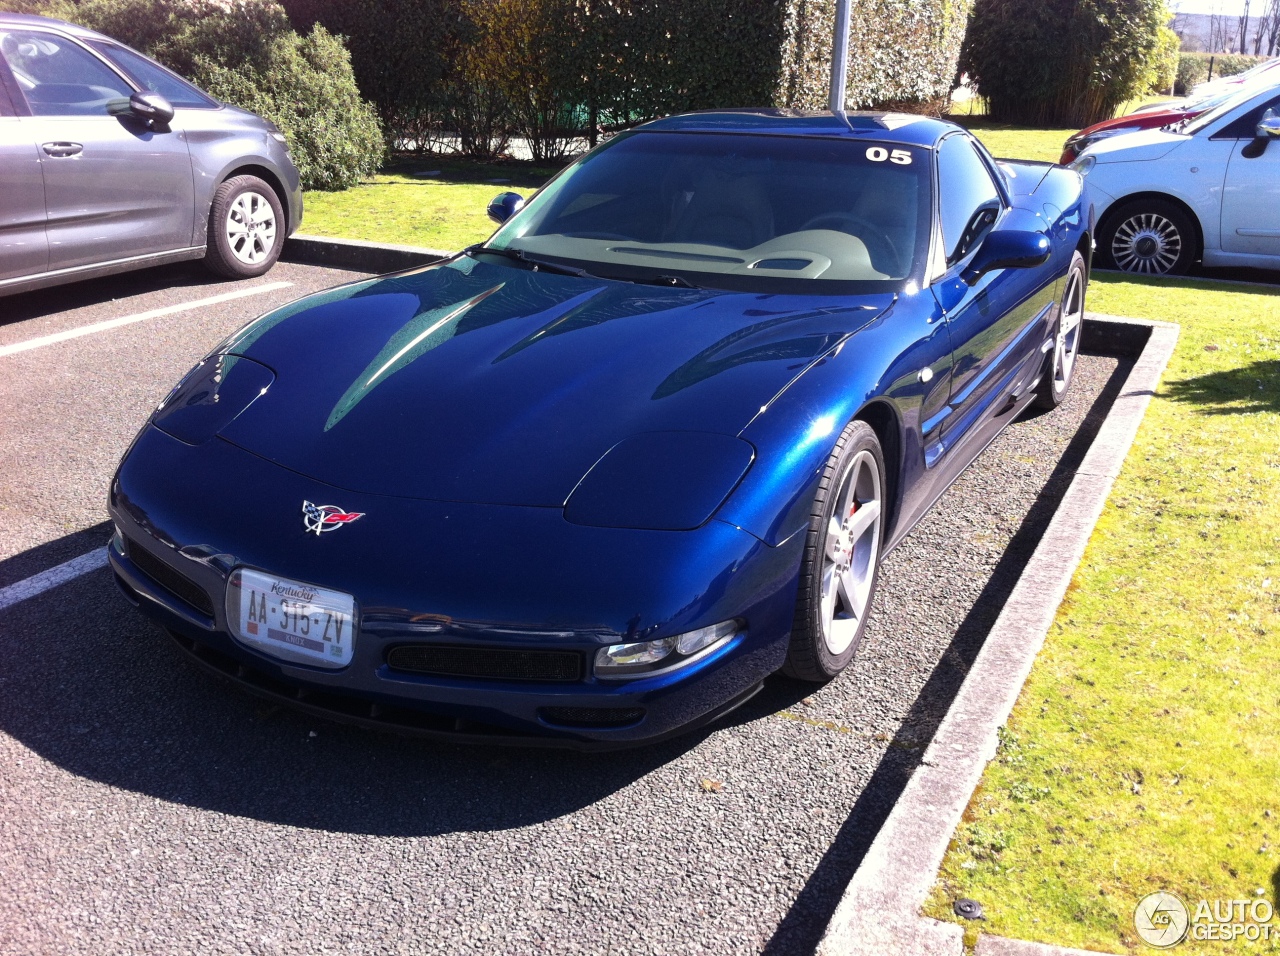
735, 212
57, 77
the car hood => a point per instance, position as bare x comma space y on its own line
485, 383
1135, 147
1135, 121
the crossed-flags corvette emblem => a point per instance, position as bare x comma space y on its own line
322, 518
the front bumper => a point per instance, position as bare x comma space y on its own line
465, 575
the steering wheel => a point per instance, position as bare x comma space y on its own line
879, 246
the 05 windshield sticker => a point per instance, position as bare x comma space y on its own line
878, 154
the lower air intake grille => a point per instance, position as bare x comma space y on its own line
172, 581
490, 663
591, 716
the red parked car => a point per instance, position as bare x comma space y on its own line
1163, 114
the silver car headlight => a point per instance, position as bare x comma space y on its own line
1084, 164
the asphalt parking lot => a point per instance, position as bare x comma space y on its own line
147, 808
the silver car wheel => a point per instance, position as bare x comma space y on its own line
851, 552
1067, 344
1146, 243
251, 227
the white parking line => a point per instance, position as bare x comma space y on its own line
140, 317
39, 583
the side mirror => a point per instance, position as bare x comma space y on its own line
1268, 128
504, 205
1269, 125
152, 107
1007, 250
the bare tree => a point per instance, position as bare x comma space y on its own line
1268, 36
1242, 29
1217, 29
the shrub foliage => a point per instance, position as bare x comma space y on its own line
1061, 62
552, 71
246, 52
1193, 68
1164, 62
473, 74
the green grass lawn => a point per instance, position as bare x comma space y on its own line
1017, 142
1144, 752
438, 205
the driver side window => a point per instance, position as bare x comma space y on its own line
1246, 126
57, 77
967, 198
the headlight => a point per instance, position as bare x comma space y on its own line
648, 658
660, 481
1083, 164
210, 396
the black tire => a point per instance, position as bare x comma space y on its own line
257, 246
825, 633
1148, 237
1068, 327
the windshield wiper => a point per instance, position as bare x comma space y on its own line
519, 255
675, 281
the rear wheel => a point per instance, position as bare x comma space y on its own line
246, 228
1066, 339
1149, 237
841, 564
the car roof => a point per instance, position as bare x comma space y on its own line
31, 20
905, 128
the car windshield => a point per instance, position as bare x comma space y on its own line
1210, 117
735, 210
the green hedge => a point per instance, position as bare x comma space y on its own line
551, 70
1065, 63
1193, 68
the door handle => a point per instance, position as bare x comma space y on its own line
62, 149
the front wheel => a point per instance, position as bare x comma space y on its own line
246, 228
841, 564
1066, 338
1148, 237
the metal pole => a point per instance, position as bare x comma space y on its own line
840, 57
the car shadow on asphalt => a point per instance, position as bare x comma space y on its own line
87, 684
803, 926
94, 292
92, 687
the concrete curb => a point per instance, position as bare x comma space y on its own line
879, 914
358, 256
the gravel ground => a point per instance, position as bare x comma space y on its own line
147, 808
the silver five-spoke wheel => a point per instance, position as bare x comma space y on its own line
853, 546
1067, 342
251, 227
840, 566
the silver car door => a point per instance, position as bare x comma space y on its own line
114, 188
1251, 193
24, 247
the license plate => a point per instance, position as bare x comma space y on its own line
291, 620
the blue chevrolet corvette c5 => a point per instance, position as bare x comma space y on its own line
592, 481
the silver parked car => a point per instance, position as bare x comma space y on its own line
110, 162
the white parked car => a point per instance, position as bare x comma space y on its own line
1205, 189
